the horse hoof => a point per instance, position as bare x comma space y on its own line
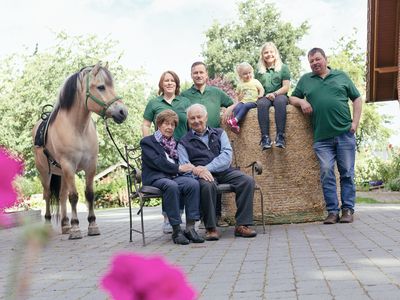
93, 231
65, 229
75, 235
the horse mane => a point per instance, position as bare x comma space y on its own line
68, 91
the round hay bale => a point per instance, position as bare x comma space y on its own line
290, 179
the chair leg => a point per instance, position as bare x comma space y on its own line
262, 209
141, 220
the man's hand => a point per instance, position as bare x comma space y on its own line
306, 107
353, 127
203, 173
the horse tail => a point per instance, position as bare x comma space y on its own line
55, 186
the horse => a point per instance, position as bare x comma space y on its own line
71, 144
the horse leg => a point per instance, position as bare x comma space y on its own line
65, 225
93, 229
69, 176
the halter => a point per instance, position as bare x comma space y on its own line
104, 105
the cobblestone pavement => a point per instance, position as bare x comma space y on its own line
297, 261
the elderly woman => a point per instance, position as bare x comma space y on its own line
275, 79
160, 168
168, 98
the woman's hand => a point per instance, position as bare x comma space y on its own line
270, 96
186, 168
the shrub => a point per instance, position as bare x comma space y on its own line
394, 184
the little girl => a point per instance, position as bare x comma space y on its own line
248, 90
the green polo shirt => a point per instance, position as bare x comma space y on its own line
271, 80
329, 100
178, 105
213, 99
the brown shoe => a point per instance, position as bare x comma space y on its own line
211, 234
221, 222
331, 218
244, 231
347, 216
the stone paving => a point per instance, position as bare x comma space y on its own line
295, 261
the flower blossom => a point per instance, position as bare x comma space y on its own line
9, 169
135, 277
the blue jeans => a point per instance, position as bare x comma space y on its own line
241, 109
181, 190
342, 150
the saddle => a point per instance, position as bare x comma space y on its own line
41, 135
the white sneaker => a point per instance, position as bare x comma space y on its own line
166, 227
201, 225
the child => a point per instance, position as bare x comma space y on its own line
249, 90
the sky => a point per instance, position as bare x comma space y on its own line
164, 34
159, 35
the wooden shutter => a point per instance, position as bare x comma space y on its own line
383, 50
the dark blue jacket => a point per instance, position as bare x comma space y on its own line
155, 164
199, 154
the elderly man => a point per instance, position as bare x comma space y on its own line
324, 94
213, 99
209, 150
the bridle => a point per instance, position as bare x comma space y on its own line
104, 105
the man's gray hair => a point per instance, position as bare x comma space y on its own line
194, 106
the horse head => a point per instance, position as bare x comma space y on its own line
100, 96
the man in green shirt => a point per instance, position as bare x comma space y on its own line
213, 99
324, 95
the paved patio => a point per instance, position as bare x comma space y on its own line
296, 261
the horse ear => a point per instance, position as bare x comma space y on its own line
96, 69
106, 66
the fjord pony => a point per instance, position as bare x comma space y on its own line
71, 143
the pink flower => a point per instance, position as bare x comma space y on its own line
135, 277
9, 169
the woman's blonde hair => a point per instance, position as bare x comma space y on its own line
262, 68
241, 66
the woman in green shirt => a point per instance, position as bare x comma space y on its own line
275, 78
168, 98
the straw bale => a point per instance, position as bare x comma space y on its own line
290, 179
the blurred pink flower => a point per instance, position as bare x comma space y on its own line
135, 277
9, 169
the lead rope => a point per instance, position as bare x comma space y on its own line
112, 139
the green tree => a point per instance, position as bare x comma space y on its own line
348, 57
257, 22
29, 81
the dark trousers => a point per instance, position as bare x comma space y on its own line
263, 105
180, 191
243, 186
241, 109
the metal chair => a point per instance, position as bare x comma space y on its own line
144, 193
136, 190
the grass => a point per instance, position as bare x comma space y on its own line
366, 200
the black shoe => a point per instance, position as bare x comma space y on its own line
179, 238
280, 140
265, 142
193, 236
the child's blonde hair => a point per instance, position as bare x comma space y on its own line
240, 67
